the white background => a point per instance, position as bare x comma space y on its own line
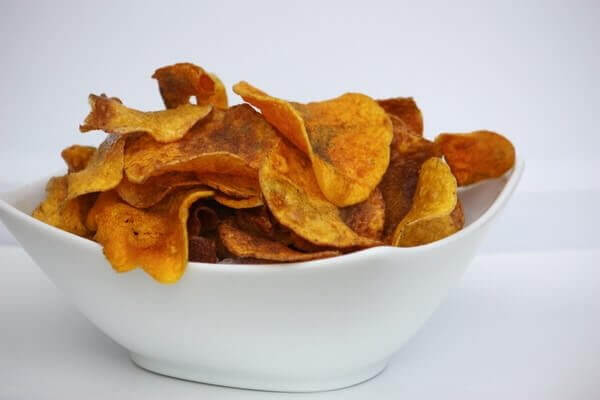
526, 69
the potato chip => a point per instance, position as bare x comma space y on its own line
202, 220
103, 172
111, 116
56, 210
346, 138
366, 218
154, 239
476, 156
245, 245
231, 142
178, 82
147, 194
431, 215
291, 191
77, 157
406, 109
233, 202
233, 186
202, 249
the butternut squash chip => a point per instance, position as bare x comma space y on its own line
347, 139
236, 203
111, 116
233, 186
77, 157
147, 194
407, 110
366, 218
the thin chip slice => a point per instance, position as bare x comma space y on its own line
202, 220
407, 110
231, 142
147, 194
476, 156
232, 202
77, 157
366, 218
111, 116
202, 250
103, 172
291, 191
154, 239
346, 138
238, 187
430, 217
178, 82
245, 245
56, 210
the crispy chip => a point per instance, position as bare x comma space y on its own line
476, 156
246, 245
431, 215
178, 82
111, 116
233, 202
202, 220
237, 187
77, 157
56, 210
154, 239
232, 142
147, 194
291, 191
346, 138
366, 218
406, 109
103, 172
202, 249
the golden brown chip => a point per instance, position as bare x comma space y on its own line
202, 249
431, 215
233, 202
231, 142
147, 194
476, 156
406, 109
346, 138
238, 187
201, 220
246, 245
77, 157
291, 191
103, 172
178, 82
111, 116
154, 239
56, 210
366, 218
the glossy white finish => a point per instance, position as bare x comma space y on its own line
309, 326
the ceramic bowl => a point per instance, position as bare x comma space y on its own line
309, 326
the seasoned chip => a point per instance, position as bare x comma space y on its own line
291, 191
202, 220
147, 194
346, 138
366, 218
178, 82
154, 239
431, 215
103, 172
476, 156
77, 157
406, 109
246, 245
202, 249
238, 187
231, 142
237, 203
111, 116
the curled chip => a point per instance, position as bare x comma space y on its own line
147, 194
202, 220
56, 210
406, 109
291, 191
347, 139
103, 172
231, 142
476, 156
77, 157
246, 245
237, 203
239, 187
431, 215
178, 82
111, 116
154, 239
366, 218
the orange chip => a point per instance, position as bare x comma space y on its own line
231, 142
246, 245
147, 194
178, 82
77, 157
291, 191
476, 156
431, 216
233, 186
346, 138
406, 109
111, 116
366, 218
104, 170
154, 239
237, 203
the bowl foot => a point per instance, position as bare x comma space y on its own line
257, 381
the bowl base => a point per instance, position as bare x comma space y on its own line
257, 382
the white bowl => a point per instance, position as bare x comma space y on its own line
308, 326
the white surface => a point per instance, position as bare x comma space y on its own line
522, 326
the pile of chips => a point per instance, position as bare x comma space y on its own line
269, 180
